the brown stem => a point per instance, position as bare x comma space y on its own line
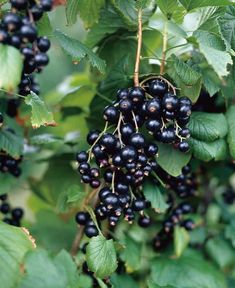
164, 49
76, 241
139, 45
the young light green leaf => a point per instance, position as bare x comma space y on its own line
172, 160
208, 126
71, 11
230, 115
192, 4
153, 194
40, 115
78, 51
89, 10
206, 151
212, 47
227, 27
101, 256
45, 139
141, 4
12, 254
11, 63
11, 143
181, 240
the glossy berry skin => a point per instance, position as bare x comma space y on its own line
188, 224
137, 95
117, 160
91, 231
151, 150
184, 111
12, 21
84, 168
5, 208
81, 157
170, 102
111, 200
17, 213
81, 218
46, 5
41, 59
4, 36
137, 140
128, 153
144, 221
127, 130
111, 114
125, 106
28, 33
184, 132
153, 108
153, 125
184, 146
43, 44
28, 53
95, 183
94, 172
19, 4
92, 136
15, 41
138, 205
185, 101
108, 141
122, 94
157, 88
185, 207
168, 135
37, 12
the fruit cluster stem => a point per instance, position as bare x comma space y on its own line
138, 52
164, 48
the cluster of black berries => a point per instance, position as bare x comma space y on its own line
10, 216
125, 156
184, 186
229, 196
18, 29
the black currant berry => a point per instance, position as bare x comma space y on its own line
137, 95
91, 231
138, 204
43, 44
17, 213
144, 221
137, 140
81, 157
170, 102
184, 146
92, 136
157, 88
111, 114
81, 218
153, 108
122, 94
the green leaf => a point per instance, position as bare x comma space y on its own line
168, 7
11, 143
172, 160
131, 255
210, 80
101, 256
40, 114
43, 271
123, 280
141, 4
227, 27
181, 240
230, 115
11, 63
188, 271
48, 228
71, 11
216, 150
154, 285
208, 127
230, 233
14, 243
153, 193
78, 51
212, 47
45, 139
89, 10
221, 252
192, 4
44, 26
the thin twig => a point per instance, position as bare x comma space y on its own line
77, 241
138, 52
164, 49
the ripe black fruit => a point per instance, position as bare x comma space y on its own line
157, 88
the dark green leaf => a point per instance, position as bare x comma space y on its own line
153, 193
44, 26
11, 63
71, 10
188, 271
40, 114
101, 256
230, 115
208, 126
172, 160
181, 240
78, 51
131, 254
45, 139
168, 7
204, 151
230, 233
123, 280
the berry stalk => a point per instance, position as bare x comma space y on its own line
139, 46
